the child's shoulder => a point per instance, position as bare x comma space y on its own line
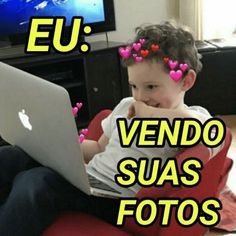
199, 109
200, 112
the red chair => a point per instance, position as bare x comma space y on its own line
213, 178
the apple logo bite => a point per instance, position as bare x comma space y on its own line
24, 118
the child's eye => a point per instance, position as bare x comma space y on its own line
132, 86
151, 86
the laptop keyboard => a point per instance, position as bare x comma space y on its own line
96, 183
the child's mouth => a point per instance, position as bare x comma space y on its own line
154, 105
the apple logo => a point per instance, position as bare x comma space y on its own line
24, 119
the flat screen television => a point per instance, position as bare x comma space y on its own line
15, 15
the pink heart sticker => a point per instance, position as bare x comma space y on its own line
176, 75
183, 67
81, 138
75, 110
172, 64
137, 46
142, 41
84, 131
125, 52
79, 104
134, 55
138, 59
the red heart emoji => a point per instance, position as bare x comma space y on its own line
144, 53
155, 47
166, 59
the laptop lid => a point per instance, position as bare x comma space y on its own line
36, 116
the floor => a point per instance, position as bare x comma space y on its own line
230, 122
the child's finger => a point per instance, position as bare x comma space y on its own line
131, 112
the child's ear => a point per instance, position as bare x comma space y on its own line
189, 80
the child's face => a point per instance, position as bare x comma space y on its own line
152, 85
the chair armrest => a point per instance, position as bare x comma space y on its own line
94, 127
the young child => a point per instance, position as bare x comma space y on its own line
162, 65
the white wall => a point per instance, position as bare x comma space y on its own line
132, 13
215, 26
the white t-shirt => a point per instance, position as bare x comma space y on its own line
106, 162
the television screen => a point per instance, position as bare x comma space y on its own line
15, 14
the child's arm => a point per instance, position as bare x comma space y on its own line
141, 110
90, 147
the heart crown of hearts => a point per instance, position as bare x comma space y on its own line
177, 69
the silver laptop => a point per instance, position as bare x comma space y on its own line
36, 116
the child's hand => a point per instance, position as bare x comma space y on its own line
138, 109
